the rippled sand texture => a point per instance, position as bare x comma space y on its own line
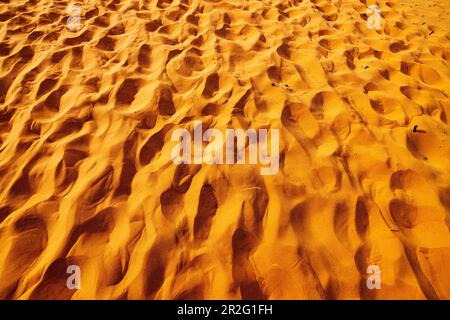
85, 171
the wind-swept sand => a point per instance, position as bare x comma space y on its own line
85, 137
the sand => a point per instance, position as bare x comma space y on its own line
86, 177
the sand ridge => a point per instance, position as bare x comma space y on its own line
85, 171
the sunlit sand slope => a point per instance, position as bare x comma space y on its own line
86, 177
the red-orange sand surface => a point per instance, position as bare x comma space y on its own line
86, 177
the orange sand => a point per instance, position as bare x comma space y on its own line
86, 176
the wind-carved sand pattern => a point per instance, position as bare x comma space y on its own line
86, 177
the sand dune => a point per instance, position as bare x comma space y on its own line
86, 178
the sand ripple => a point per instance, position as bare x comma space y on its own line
85, 171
